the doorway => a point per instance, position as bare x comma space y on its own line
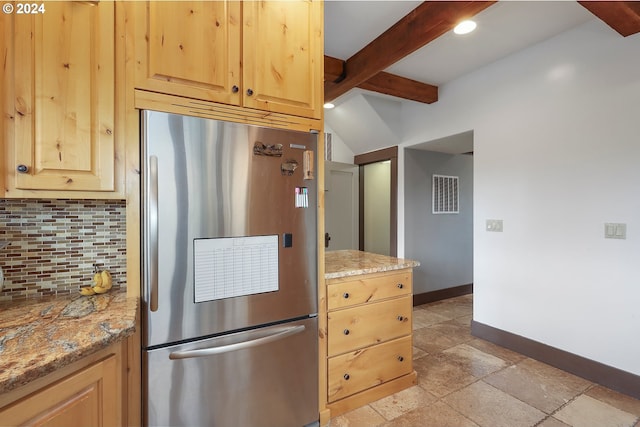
441, 239
341, 206
378, 200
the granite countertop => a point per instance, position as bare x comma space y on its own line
41, 335
350, 263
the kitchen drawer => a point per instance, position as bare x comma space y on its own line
368, 324
362, 369
349, 291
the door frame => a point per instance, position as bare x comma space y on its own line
361, 160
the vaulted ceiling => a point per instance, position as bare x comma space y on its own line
424, 24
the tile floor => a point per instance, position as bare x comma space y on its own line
464, 381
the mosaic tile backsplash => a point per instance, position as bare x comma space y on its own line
53, 245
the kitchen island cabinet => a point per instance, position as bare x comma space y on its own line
369, 329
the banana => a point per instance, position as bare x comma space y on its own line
102, 282
97, 279
107, 282
87, 290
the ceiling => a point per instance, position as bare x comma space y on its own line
504, 28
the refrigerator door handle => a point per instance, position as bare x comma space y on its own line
153, 232
203, 352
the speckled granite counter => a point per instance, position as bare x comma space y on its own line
41, 335
350, 263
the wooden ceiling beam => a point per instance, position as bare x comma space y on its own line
401, 87
386, 83
622, 16
425, 23
333, 69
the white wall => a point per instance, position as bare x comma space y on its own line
556, 155
340, 152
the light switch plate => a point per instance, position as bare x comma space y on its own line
615, 230
494, 225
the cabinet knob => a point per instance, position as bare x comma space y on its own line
400, 285
23, 168
401, 318
249, 92
346, 332
400, 359
346, 377
235, 89
346, 295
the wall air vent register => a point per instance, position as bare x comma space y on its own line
445, 194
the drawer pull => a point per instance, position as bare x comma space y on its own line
346, 332
400, 359
346, 295
400, 285
401, 318
346, 377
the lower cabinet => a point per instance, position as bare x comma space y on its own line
362, 369
369, 338
89, 396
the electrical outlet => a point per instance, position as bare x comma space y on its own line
494, 225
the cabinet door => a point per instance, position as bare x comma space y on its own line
84, 399
189, 48
283, 56
64, 98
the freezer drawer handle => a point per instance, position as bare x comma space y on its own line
203, 352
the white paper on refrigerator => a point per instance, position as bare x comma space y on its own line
235, 266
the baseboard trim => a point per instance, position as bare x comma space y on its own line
440, 294
613, 378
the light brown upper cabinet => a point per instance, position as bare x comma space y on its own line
59, 80
189, 48
283, 57
265, 55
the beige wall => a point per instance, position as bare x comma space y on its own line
377, 202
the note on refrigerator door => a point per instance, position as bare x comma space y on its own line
235, 266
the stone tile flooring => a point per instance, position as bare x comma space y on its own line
468, 382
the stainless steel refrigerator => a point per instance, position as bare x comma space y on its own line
230, 335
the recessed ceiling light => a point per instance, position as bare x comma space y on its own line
465, 27
328, 105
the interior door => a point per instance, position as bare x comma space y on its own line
341, 206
